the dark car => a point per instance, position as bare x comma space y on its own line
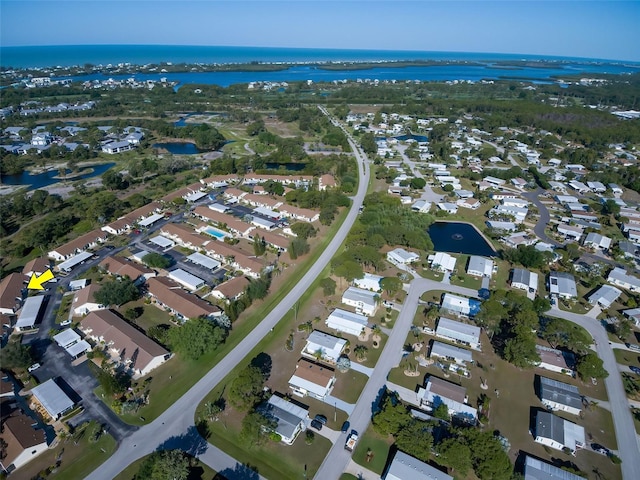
635, 369
596, 447
316, 424
345, 427
321, 418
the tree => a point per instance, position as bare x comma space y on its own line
114, 180
392, 417
441, 411
368, 143
328, 285
298, 247
246, 389
417, 183
360, 351
591, 366
255, 428
156, 260
521, 349
113, 383
415, 439
196, 337
455, 455
349, 270
623, 329
164, 465
16, 355
259, 246
391, 285
132, 313
573, 251
303, 230
489, 460
117, 292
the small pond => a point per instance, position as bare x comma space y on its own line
45, 179
178, 148
458, 237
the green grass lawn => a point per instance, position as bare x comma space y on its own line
430, 274
76, 461
272, 460
348, 476
65, 306
374, 353
379, 447
468, 281
625, 357
151, 315
349, 385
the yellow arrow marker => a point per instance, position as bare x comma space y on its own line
35, 282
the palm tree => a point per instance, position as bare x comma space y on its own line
360, 352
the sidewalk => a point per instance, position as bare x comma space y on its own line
360, 472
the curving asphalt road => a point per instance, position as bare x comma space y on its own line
175, 427
626, 437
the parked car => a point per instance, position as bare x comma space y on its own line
321, 418
345, 427
635, 369
64, 323
596, 447
316, 424
34, 367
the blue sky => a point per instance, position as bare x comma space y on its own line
595, 29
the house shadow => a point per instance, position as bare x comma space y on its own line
239, 472
190, 442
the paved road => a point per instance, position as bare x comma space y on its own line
174, 428
427, 194
628, 447
544, 216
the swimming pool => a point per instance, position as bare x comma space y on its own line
214, 232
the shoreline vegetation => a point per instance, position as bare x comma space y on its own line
256, 66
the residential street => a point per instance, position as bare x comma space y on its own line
175, 427
623, 422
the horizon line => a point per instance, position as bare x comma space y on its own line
547, 56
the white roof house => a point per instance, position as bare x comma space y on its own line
618, 276
71, 342
400, 256
571, 231
459, 332
604, 296
442, 261
595, 240
558, 433
535, 469
311, 379
290, 417
405, 467
421, 206
504, 226
560, 396
451, 208
494, 181
519, 214
52, 398
327, 346
451, 353
480, 266
364, 301
347, 322
186, 279
29, 313
369, 282
524, 279
203, 260
437, 391
68, 264
460, 305
633, 314
562, 284
162, 242
597, 187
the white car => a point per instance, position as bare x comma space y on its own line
33, 367
64, 323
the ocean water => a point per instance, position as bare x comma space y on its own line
68, 55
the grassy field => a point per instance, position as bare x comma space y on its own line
272, 460
76, 461
377, 445
625, 357
349, 385
65, 307
151, 315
